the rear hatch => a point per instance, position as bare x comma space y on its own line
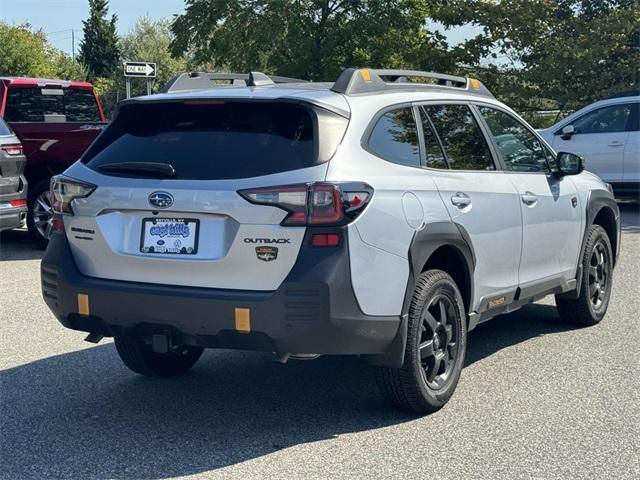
55, 122
166, 208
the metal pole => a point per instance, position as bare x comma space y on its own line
73, 44
128, 82
148, 86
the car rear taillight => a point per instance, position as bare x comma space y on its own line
18, 203
12, 150
316, 203
64, 190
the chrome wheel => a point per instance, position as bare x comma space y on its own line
43, 214
598, 275
439, 341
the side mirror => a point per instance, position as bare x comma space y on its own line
569, 163
568, 132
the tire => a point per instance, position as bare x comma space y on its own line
424, 385
38, 213
595, 287
139, 357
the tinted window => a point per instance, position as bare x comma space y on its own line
67, 104
604, 120
4, 128
519, 148
395, 137
463, 143
433, 151
210, 141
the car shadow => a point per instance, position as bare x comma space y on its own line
629, 217
83, 415
17, 245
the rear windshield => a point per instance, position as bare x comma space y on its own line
209, 140
36, 104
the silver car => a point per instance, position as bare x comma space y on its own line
375, 216
13, 185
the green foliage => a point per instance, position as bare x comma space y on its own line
99, 47
24, 52
563, 53
149, 42
311, 39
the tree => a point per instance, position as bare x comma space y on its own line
149, 41
310, 39
562, 53
24, 52
99, 47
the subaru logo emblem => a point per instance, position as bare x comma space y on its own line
161, 199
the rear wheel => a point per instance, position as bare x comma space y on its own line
436, 344
139, 357
40, 214
595, 290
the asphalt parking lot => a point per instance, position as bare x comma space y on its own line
537, 399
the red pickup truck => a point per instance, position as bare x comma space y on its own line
55, 120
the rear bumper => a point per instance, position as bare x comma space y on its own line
13, 217
313, 311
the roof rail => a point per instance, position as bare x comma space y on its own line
354, 81
203, 80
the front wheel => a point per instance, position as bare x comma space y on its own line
139, 357
596, 281
436, 345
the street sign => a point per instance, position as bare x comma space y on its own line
140, 69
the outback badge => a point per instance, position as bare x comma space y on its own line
267, 254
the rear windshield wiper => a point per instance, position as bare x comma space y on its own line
144, 169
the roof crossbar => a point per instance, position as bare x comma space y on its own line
204, 80
354, 81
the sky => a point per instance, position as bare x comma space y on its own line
58, 17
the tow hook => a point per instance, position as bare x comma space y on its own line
94, 337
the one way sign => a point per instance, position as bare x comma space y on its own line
139, 69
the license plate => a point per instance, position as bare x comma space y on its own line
178, 236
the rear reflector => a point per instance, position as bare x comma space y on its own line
243, 320
58, 225
83, 304
18, 203
325, 240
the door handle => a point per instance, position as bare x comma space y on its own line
460, 199
529, 198
615, 143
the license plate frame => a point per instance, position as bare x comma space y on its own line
149, 242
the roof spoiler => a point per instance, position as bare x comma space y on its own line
203, 80
355, 81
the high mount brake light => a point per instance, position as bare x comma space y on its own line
64, 190
314, 203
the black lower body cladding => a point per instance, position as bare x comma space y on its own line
313, 311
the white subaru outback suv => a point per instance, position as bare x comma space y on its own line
376, 216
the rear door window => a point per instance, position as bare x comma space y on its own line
36, 104
463, 142
395, 137
209, 140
